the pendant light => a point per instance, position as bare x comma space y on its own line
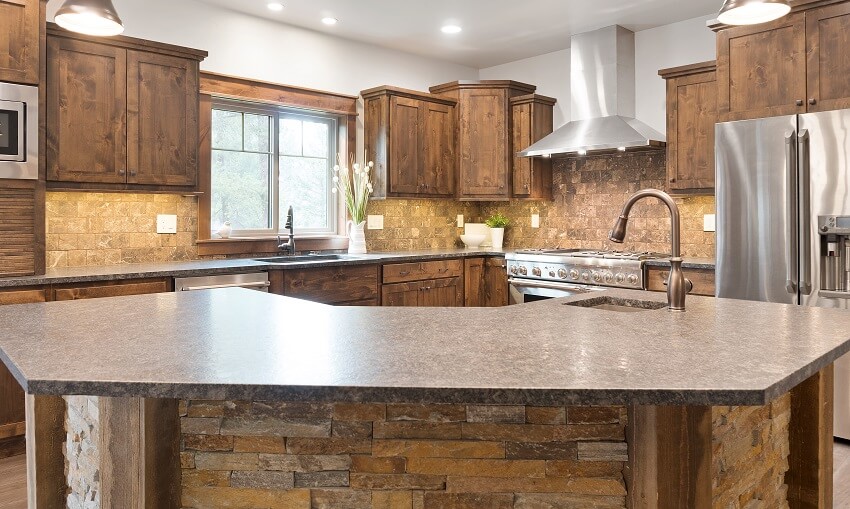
752, 12
91, 17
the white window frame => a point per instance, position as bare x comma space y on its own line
277, 217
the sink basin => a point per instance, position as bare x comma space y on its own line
304, 258
617, 304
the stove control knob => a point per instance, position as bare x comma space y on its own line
585, 276
574, 275
633, 279
523, 271
551, 273
514, 270
609, 278
562, 273
597, 277
620, 278
536, 271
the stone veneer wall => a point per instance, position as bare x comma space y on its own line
387, 456
82, 452
86, 229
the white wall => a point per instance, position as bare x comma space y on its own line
252, 47
550, 72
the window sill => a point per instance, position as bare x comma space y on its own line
267, 245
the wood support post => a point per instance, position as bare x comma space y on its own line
45, 436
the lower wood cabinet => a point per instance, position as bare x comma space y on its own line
703, 280
486, 282
352, 285
436, 283
113, 289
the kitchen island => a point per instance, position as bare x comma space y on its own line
233, 398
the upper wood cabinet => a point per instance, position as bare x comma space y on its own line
531, 120
411, 138
122, 113
691, 116
20, 26
485, 151
796, 64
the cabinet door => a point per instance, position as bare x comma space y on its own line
495, 283
332, 285
19, 34
86, 112
401, 294
473, 282
522, 166
761, 69
484, 145
442, 293
691, 115
439, 140
102, 290
405, 146
828, 34
162, 119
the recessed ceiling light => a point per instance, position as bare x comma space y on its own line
330, 21
275, 6
451, 29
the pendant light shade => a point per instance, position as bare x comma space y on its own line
92, 17
752, 12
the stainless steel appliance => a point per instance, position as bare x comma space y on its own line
783, 215
537, 274
18, 131
256, 281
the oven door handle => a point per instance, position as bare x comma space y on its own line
519, 283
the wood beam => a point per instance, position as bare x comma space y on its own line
45, 437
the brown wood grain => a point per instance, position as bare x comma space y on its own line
828, 40
45, 440
332, 285
22, 209
401, 294
473, 282
121, 458
703, 280
404, 272
445, 292
496, 292
204, 166
161, 448
438, 133
19, 41
112, 289
683, 439
130, 43
405, 140
532, 120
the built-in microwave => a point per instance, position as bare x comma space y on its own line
18, 131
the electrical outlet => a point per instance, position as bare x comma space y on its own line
535, 220
709, 223
460, 222
166, 223
375, 222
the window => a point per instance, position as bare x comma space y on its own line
266, 159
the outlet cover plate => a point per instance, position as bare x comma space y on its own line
166, 223
460, 221
535, 220
709, 223
375, 222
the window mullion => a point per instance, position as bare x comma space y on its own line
275, 184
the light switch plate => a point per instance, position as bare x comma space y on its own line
166, 223
535, 220
460, 221
375, 222
709, 223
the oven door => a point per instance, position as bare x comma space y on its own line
523, 291
12, 133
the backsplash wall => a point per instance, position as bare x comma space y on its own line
85, 229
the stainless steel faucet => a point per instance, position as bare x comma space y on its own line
288, 247
677, 286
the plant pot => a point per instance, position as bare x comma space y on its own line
498, 236
356, 238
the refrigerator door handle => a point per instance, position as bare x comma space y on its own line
805, 209
791, 280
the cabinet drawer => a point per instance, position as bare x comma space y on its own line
115, 290
401, 272
333, 285
23, 296
703, 281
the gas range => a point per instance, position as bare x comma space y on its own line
616, 269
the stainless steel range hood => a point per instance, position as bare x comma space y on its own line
603, 99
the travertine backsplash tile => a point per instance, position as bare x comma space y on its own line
86, 229
419, 224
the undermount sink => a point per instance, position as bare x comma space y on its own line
617, 304
305, 258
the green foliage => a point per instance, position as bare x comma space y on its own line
497, 220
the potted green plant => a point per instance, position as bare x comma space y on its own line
497, 223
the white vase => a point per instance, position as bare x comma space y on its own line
498, 235
356, 238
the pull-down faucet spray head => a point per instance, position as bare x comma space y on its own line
618, 233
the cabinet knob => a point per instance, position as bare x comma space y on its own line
813, 101
673, 180
799, 102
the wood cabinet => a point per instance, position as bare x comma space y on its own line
691, 116
21, 228
485, 151
122, 113
352, 285
20, 27
485, 282
111, 289
531, 120
411, 138
796, 64
703, 280
424, 284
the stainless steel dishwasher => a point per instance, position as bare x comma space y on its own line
255, 281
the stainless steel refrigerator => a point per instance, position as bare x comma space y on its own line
783, 218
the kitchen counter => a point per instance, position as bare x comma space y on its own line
239, 344
688, 263
232, 266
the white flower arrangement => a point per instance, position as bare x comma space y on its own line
354, 185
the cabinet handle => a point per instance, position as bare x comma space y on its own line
673, 180
799, 102
122, 171
813, 101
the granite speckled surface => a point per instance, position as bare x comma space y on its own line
688, 263
210, 267
240, 344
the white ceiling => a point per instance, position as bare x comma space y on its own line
494, 31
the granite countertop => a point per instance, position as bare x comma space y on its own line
688, 263
240, 344
211, 267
